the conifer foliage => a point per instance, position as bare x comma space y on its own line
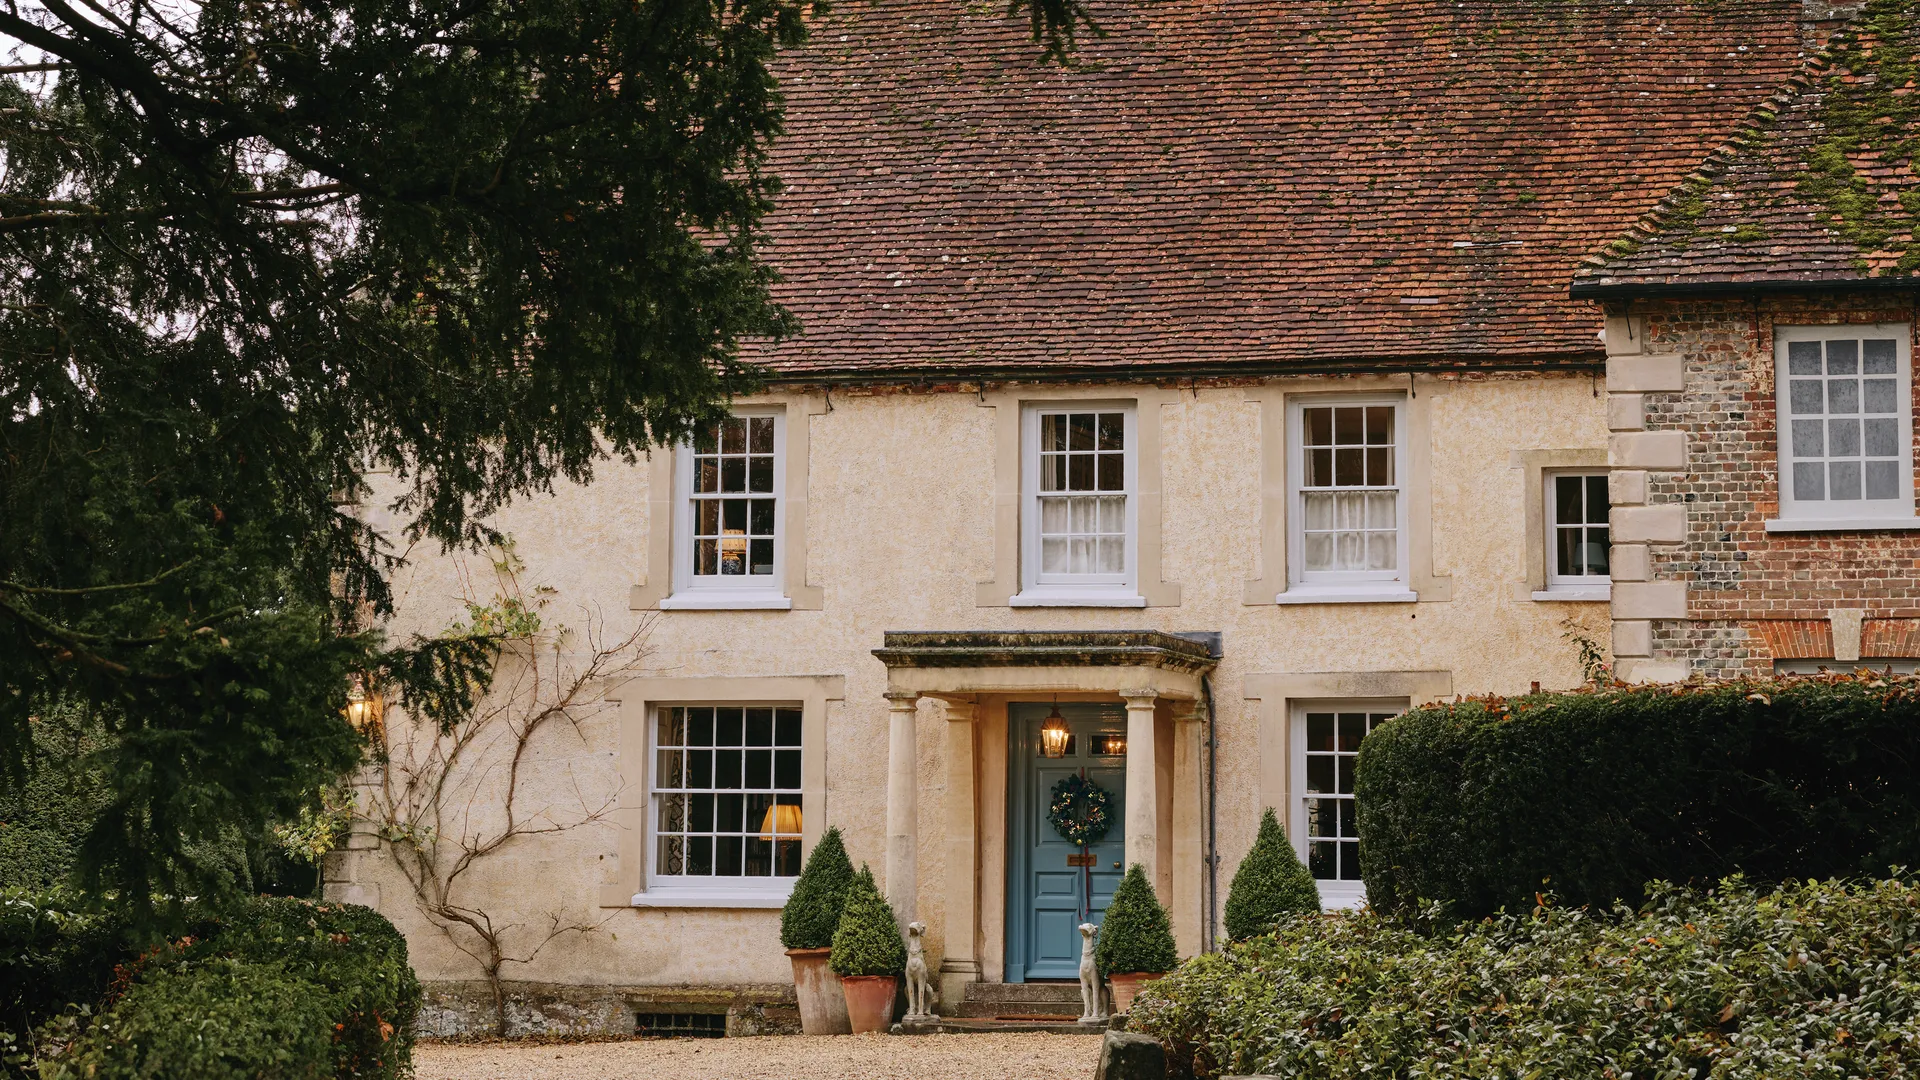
812, 912
1136, 937
1270, 884
867, 941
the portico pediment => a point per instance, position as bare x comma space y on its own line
965, 662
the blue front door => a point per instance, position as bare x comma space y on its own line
1050, 889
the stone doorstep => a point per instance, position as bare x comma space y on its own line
951, 1025
989, 1001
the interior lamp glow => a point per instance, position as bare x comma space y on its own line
783, 819
1053, 733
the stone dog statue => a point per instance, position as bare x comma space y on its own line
1092, 1005
920, 989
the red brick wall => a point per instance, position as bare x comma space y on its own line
1755, 596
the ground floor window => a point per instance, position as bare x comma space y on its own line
726, 796
1326, 737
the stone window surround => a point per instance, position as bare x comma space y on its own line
1010, 407
1538, 466
1273, 586
625, 884
655, 588
1279, 692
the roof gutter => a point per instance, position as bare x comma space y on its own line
1589, 290
1582, 361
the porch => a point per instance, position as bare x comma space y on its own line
1152, 683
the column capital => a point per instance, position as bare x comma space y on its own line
1137, 699
902, 699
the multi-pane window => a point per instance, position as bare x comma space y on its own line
735, 509
726, 792
1577, 536
1083, 493
1349, 499
1844, 412
1332, 745
1077, 521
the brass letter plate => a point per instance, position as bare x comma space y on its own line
1082, 860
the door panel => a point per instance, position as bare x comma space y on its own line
1047, 893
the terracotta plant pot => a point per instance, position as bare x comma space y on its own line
1125, 986
869, 1000
823, 1007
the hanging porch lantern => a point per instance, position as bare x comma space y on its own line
1054, 733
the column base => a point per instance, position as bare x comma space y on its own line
954, 977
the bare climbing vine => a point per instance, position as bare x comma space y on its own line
445, 800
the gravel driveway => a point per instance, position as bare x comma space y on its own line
1025, 1056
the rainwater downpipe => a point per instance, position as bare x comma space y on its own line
1213, 857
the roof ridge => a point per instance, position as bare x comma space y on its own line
1751, 128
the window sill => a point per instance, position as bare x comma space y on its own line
1341, 896
709, 898
1076, 598
1865, 524
1579, 592
718, 601
1350, 594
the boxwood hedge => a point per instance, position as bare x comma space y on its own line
1812, 981
1489, 802
272, 987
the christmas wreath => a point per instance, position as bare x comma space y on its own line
1078, 811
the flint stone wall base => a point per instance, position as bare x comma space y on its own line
464, 1008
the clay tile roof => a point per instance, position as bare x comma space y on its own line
1815, 186
1232, 185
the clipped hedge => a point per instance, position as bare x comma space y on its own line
1136, 937
221, 1019
1586, 795
271, 987
867, 941
812, 912
1811, 981
1271, 884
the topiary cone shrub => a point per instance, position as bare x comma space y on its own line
867, 941
1136, 937
812, 912
1587, 795
1271, 884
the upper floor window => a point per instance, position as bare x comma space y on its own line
1846, 422
1078, 534
1578, 541
1348, 509
728, 528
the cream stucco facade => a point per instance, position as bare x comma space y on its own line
902, 513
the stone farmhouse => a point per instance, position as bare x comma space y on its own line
1266, 370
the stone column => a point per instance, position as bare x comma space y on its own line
961, 964
1143, 801
903, 803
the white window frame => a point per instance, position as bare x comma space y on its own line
1076, 590
681, 890
1796, 514
1568, 586
1333, 893
693, 591
1320, 586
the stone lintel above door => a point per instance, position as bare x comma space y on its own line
943, 662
